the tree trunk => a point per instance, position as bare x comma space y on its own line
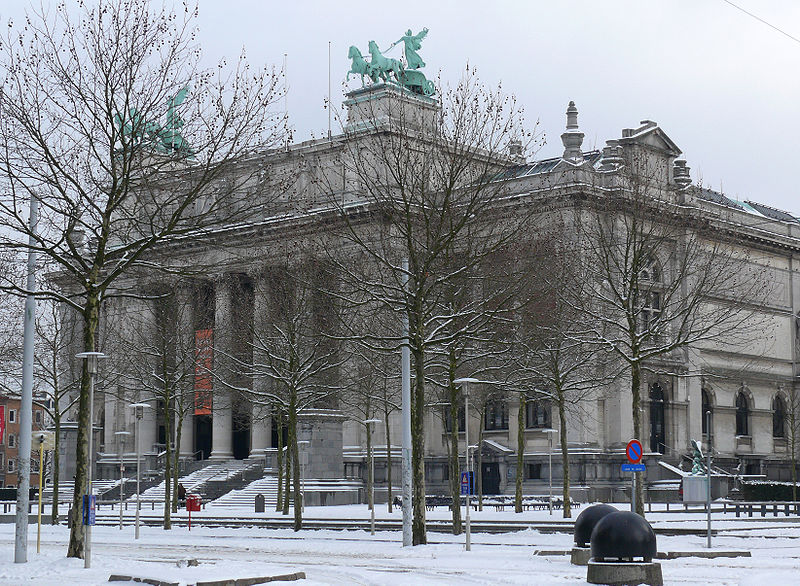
388, 457
636, 376
418, 530
177, 460
279, 458
562, 434
56, 460
292, 443
287, 472
452, 453
168, 462
91, 318
520, 454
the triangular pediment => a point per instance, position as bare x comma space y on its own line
651, 135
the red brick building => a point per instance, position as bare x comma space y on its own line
9, 441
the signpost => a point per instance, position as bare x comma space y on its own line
45, 441
633, 451
466, 483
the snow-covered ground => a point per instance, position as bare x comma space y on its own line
356, 557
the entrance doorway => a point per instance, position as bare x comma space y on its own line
202, 436
657, 428
490, 477
241, 443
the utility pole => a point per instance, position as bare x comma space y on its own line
26, 401
406, 418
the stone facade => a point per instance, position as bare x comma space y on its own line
745, 387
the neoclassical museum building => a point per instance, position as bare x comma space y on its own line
747, 386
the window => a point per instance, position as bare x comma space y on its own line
12, 440
537, 414
11, 466
742, 414
2, 457
496, 415
37, 417
12, 415
778, 417
533, 471
448, 421
706, 408
648, 299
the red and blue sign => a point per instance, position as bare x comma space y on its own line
634, 451
466, 483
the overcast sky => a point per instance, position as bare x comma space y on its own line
721, 84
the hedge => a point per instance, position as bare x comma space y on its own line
766, 491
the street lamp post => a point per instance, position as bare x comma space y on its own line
138, 409
303, 457
550, 432
465, 382
368, 423
121, 435
91, 368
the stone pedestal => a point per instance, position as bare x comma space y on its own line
323, 428
580, 556
624, 573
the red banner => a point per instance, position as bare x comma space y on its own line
2, 422
203, 364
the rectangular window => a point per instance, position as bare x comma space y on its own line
37, 417
12, 415
496, 415
11, 465
533, 471
12, 440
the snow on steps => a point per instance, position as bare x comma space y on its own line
246, 497
195, 481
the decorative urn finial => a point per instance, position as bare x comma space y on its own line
572, 136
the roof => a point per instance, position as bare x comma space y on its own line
544, 166
746, 206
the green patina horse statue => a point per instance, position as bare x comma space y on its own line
360, 66
381, 65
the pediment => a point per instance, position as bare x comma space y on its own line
651, 135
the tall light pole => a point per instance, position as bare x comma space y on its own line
121, 435
91, 367
26, 399
465, 382
550, 431
368, 423
138, 409
303, 445
708, 482
405, 376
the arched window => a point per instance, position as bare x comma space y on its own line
658, 437
742, 414
778, 417
706, 408
537, 414
496, 415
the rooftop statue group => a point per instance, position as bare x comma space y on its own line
386, 69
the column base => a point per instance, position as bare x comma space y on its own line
220, 455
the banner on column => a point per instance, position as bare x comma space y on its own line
2, 422
203, 364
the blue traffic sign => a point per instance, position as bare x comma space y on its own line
89, 502
633, 468
466, 483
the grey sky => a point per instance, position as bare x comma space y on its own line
722, 85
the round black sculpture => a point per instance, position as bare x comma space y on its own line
586, 521
622, 536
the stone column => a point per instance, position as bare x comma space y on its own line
148, 429
186, 345
260, 422
222, 414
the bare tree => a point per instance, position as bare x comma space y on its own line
424, 175
293, 348
659, 280
93, 127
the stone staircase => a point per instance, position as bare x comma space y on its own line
246, 497
213, 480
66, 489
